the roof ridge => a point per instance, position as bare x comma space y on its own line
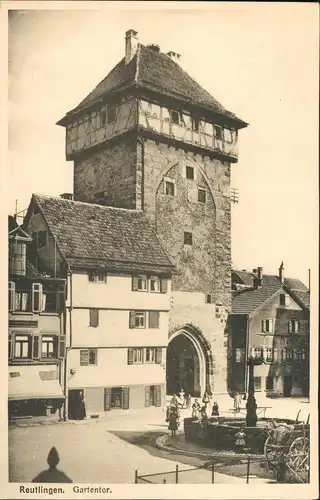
64, 200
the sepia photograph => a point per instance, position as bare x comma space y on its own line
160, 190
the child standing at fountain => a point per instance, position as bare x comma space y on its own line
240, 440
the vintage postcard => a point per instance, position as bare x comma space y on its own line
160, 230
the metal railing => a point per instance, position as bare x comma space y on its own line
177, 476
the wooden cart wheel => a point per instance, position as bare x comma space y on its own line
270, 452
298, 454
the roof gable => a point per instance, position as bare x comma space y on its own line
90, 235
157, 72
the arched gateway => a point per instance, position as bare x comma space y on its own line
189, 362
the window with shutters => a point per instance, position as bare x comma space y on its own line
267, 325
37, 297
154, 319
94, 318
97, 277
256, 353
138, 356
293, 326
12, 287
137, 319
154, 284
150, 355
268, 354
88, 357
22, 346
240, 355
164, 285
287, 354
283, 299
140, 283
202, 195
49, 346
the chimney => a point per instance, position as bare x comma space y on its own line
258, 278
174, 56
131, 45
281, 275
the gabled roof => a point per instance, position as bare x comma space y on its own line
157, 72
247, 300
96, 236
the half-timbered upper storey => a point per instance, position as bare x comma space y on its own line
149, 91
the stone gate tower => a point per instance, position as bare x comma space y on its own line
149, 138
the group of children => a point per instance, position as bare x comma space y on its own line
182, 401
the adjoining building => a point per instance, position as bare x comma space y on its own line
36, 336
149, 137
118, 301
270, 320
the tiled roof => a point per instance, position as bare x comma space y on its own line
90, 235
242, 277
246, 301
157, 72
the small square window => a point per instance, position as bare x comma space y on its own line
187, 239
202, 195
208, 299
175, 116
190, 173
218, 132
170, 188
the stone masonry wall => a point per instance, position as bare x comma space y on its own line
206, 265
112, 170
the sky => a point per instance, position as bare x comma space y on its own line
260, 60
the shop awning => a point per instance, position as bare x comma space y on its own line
33, 383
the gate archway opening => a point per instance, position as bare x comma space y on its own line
187, 364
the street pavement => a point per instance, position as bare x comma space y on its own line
93, 451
